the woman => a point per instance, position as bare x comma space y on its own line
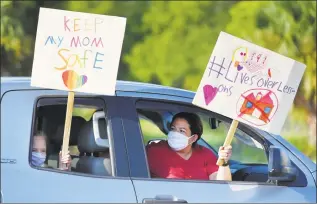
180, 157
39, 153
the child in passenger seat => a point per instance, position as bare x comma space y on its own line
39, 150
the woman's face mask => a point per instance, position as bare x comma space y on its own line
38, 158
177, 141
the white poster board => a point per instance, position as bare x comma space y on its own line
77, 51
249, 83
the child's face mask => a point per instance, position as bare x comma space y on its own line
38, 158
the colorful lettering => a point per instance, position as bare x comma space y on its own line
65, 24
51, 40
97, 21
87, 24
85, 58
63, 58
68, 60
97, 43
76, 42
87, 40
98, 60
75, 24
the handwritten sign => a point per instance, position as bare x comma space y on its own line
77, 51
249, 83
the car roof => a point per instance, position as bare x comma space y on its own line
24, 83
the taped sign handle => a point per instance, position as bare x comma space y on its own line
228, 140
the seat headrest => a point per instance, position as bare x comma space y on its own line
93, 135
77, 123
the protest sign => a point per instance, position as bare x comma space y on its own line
249, 84
77, 51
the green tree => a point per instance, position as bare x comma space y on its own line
15, 45
289, 28
179, 39
181, 35
18, 32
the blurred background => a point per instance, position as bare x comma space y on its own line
170, 42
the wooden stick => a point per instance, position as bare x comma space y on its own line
228, 140
68, 122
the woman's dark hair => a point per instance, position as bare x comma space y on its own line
195, 124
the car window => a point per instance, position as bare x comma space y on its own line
89, 145
150, 130
245, 149
155, 119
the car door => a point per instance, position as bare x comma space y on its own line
193, 191
21, 182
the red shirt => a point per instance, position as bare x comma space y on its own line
166, 163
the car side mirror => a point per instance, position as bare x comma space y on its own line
280, 166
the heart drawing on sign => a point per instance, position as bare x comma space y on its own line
209, 93
72, 80
239, 67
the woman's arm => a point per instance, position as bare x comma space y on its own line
223, 172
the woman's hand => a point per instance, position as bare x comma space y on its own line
225, 153
65, 162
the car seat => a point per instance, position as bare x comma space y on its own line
93, 139
55, 141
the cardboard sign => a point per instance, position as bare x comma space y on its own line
77, 51
249, 83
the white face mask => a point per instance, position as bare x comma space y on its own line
177, 141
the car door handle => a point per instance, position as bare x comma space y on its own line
164, 199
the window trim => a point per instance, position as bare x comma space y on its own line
106, 102
301, 180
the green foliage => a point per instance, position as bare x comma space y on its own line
12, 32
287, 27
303, 145
180, 37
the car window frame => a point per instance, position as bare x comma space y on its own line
191, 107
301, 180
118, 158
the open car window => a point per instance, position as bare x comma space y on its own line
90, 145
155, 124
245, 149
